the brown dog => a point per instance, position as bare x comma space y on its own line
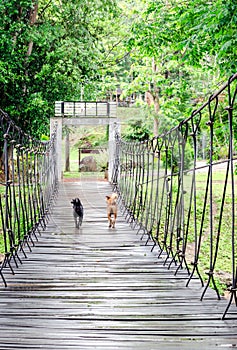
112, 209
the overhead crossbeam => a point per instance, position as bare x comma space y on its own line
78, 113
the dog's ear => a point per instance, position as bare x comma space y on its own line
108, 197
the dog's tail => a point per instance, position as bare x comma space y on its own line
114, 197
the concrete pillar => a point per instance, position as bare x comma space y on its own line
59, 122
113, 128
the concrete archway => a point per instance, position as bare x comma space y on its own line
84, 113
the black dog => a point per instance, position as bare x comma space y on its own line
77, 212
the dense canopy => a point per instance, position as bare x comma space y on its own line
174, 51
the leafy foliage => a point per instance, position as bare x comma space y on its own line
178, 51
137, 130
48, 50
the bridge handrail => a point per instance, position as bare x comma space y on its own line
28, 185
173, 197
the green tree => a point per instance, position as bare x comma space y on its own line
49, 51
181, 51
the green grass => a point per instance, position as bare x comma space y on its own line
81, 176
223, 265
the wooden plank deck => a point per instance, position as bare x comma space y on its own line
99, 288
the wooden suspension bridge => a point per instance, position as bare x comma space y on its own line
101, 288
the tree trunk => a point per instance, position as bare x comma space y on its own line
152, 100
67, 152
152, 97
32, 20
157, 109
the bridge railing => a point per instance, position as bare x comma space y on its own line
28, 184
182, 203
